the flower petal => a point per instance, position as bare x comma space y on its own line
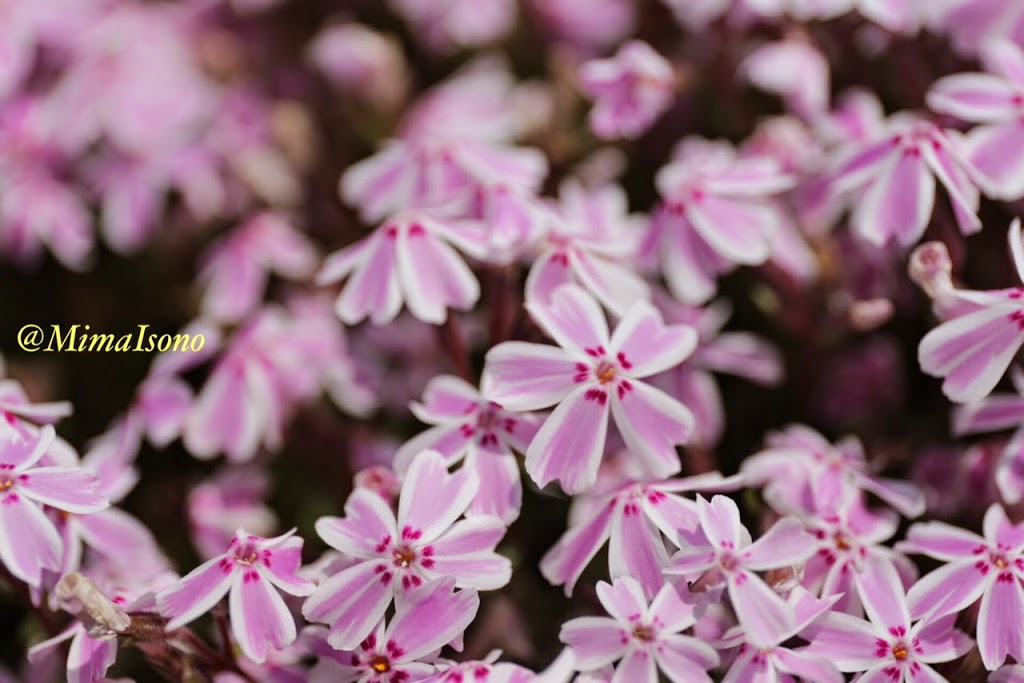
720, 520
636, 667
898, 203
636, 550
942, 541
351, 602
569, 445
764, 615
997, 152
368, 522
523, 376
974, 97
196, 592
431, 498
466, 552
566, 560
446, 397
259, 616
648, 344
72, 489
946, 590
89, 659
615, 285
684, 659
430, 617
501, 491
433, 276
573, 319
373, 289
595, 641
29, 543
846, 641
623, 600
652, 423
1002, 613
785, 544
280, 566
881, 593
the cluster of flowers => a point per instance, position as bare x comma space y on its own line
598, 332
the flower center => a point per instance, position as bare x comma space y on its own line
380, 664
404, 556
246, 554
999, 560
644, 633
899, 651
842, 543
605, 372
728, 561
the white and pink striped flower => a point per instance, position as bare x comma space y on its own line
252, 570
591, 376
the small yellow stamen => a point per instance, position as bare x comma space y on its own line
899, 652
404, 557
643, 633
1000, 563
380, 664
607, 375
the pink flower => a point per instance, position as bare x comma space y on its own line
29, 541
729, 556
990, 568
251, 569
590, 376
450, 146
995, 100
449, 24
996, 413
894, 175
803, 472
407, 259
430, 617
888, 647
236, 269
634, 518
485, 435
396, 555
972, 350
631, 90
362, 62
847, 541
775, 662
645, 637
587, 24
717, 213
795, 70
591, 242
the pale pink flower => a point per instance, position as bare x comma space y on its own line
234, 271
591, 241
362, 62
397, 554
450, 145
796, 71
717, 213
776, 662
888, 647
802, 10
893, 178
630, 90
587, 24
407, 259
253, 569
645, 637
449, 24
430, 617
591, 376
29, 541
697, 14
996, 101
803, 473
634, 518
847, 541
990, 568
972, 350
480, 432
727, 555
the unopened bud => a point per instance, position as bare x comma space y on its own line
931, 268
